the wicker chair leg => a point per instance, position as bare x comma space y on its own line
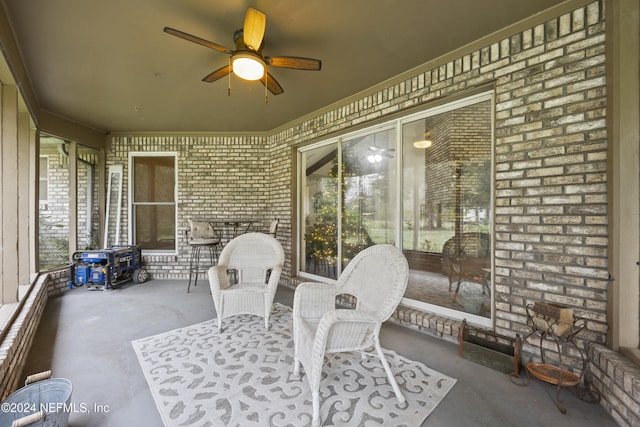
387, 369
316, 408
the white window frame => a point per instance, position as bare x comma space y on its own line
130, 201
43, 203
397, 125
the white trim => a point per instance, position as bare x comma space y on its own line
397, 124
447, 312
130, 201
113, 169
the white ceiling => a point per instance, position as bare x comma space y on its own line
109, 65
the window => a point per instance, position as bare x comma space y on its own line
442, 221
153, 201
88, 201
44, 182
53, 215
350, 192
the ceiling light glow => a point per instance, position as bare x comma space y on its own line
247, 66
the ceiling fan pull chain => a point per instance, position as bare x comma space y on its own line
229, 79
266, 82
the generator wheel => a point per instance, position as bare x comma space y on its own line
140, 275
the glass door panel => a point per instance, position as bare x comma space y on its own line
53, 213
446, 208
368, 204
88, 219
319, 211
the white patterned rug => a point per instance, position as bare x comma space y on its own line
243, 377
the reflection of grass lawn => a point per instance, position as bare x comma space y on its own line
428, 240
436, 238
431, 240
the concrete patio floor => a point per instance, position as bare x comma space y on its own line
85, 336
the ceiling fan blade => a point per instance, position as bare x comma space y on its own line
295, 62
272, 84
255, 23
197, 40
217, 74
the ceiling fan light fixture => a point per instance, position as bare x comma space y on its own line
374, 158
247, 66
246, 60
425, 143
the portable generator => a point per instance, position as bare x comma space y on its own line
106, 268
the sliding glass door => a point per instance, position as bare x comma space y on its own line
439, 214
348, 200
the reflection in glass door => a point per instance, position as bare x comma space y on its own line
88, 184
319, 211
53, 213
447, 208
442, 214
368, 177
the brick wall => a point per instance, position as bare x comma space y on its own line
617, 378
550, 159
550, 155
550, 184
219, 178
550, 173
550, 212
16, 341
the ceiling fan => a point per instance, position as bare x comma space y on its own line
246, 60
376, 154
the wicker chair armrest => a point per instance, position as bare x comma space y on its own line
312, 300
274, 278
218, 278
347, 315
344, 330
276, 272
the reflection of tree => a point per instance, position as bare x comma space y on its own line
322, 235
53, 242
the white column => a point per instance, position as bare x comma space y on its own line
9, 220
623, 116
25, 183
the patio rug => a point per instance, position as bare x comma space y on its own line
243, 377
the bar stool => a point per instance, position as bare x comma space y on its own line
201, 234
273, 227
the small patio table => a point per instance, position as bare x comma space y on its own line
228, 229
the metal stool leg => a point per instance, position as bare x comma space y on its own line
197, 267
194, 262
195, 259
213, 256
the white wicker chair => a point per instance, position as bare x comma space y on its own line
376, 278
256, 261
